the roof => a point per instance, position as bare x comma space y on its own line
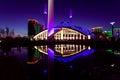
66, 24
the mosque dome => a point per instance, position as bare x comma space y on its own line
66, 24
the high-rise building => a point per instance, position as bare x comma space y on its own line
38, 28
31, 27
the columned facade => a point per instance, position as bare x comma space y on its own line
64, 34
69, 34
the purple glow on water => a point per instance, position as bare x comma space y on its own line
70, 14
70, 66
50, 17
51, 53
45, 71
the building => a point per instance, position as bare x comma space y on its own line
34, 27
6, 32
97, 31
65, 31
31, 27
117, 33
38, 28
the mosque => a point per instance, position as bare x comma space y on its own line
64, 31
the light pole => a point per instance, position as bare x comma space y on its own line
112, 23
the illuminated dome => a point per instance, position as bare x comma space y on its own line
66, 24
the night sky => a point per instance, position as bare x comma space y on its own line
86, 13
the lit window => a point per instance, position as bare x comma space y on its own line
89, 37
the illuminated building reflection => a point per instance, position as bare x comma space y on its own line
34, 56
69, 49
64, 52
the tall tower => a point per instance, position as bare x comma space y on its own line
50, 17
70, 15
45, 16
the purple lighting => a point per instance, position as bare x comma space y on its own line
70, 14
50, 17
45, 16
45, 9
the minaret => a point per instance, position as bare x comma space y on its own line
70, 15
50, 17
45, 16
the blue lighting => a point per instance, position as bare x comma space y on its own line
71, 58
51, 53
45, 71
70, 66
66, 24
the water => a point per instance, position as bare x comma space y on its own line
59, 62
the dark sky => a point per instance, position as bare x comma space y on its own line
86, 13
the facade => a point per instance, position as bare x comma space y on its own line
34, 27
117, 33
97, 31
62, 34
31, 27
38, 28
69, 34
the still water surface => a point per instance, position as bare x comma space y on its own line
59, 62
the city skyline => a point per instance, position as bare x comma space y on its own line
15, 13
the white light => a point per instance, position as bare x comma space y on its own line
112, 23
89, 47
112, 65
89, 37
0, 41
105, 31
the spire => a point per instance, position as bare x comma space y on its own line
45, 16
70, 13
45, 9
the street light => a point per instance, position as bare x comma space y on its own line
112, 23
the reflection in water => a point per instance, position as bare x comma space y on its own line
66, 52
50, 63
63, 50
69, 49
117, 52
42, 49
64, 62
34, 56
86, 52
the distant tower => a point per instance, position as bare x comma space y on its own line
45, 16
50, 17
70, 15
